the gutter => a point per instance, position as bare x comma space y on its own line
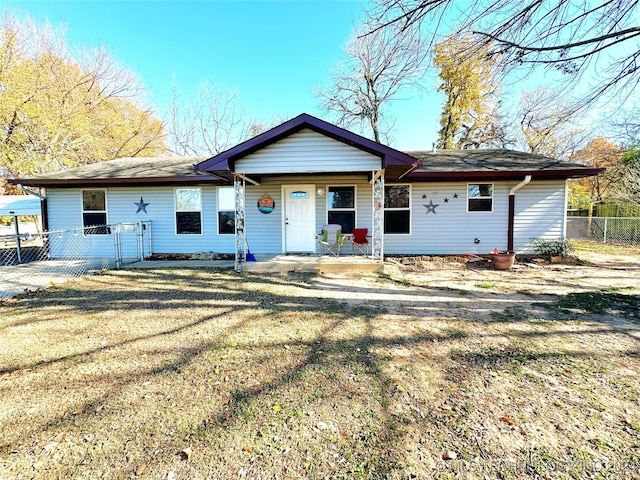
202, 179
512, 210
30, 192
414, 165
44, 208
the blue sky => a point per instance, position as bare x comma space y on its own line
272, 52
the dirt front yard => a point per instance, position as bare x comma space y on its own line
436, 369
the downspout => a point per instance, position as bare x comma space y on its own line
414, 165
30, 192
43, 205
512, 210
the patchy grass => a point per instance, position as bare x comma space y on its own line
608, 301
586, 246
206, 374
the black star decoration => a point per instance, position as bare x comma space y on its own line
142, 206
431, 207
424, 196
455, 195
446, 199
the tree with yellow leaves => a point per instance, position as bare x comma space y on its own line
600, 152
57, 111
470, 114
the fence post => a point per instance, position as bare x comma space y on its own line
604, 239
117, 245
149, 233
140, 241
18, 246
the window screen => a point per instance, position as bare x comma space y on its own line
226, 211
397, 209
341, 207
94, 212
480, 197
188, 211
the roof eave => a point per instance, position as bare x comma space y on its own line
111, 182
503, 175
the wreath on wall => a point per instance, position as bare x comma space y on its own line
266, 204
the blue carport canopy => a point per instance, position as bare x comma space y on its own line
19, 205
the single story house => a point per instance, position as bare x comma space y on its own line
275, 192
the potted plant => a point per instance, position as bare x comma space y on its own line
554, 250
502, 260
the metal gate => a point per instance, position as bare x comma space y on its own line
31, 261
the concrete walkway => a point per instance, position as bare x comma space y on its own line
275, 264
17, 279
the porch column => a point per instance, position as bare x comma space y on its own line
377, 247
238, 187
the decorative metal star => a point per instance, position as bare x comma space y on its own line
424, 196
455, 195
142, 206
446, 199
431, 207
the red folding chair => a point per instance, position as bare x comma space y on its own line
359, 241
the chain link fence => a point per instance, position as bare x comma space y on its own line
625, 230
32, 261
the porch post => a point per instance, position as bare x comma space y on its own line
238, 187
378, 217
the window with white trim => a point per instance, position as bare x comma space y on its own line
94, 212
188, 211
397, 209
341, 207
480, 197
226, 211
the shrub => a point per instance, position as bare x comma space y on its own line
552, 248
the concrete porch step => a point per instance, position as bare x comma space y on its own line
312, 264
275, 264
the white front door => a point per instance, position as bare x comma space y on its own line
299, 218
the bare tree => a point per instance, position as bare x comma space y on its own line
210, 123
376, 68
630, 185
568, 35
623, 123
546, 124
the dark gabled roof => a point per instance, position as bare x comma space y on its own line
495, 164
224, 162
419, 166
126, 171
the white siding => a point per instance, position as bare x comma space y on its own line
65, 211
539, 208
539, 212
264, 232
308, 151
451, 229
